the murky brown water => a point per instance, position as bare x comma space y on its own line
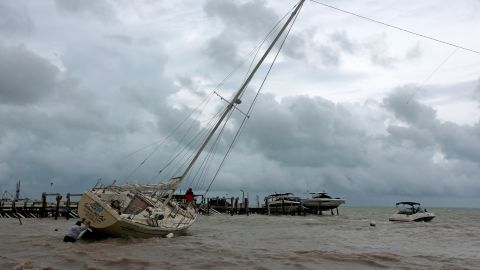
450, 241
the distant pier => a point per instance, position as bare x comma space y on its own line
67, 207
234, 206
26, 208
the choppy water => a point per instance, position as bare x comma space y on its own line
450, 241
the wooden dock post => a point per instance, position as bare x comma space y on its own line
43, 209
268, 206
58, 198
68, 207
236, 206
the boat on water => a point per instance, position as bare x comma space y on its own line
411, 211
283, 203
321, 201
149, 210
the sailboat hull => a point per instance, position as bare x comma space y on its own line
106, 221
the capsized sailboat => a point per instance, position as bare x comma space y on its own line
148, 210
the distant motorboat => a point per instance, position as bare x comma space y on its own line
411, 211
284, 203
321, 201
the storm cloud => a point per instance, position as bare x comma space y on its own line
87, 93
25, 77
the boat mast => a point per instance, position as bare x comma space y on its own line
236, 99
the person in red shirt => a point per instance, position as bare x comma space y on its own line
189, 197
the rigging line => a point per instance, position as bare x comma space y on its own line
204, 165
205, 159
251, 105
215, 145
209, 156
256, 48
431, 74
187, 156
205, 100
183, 152
396, 27
174, 156
211, 151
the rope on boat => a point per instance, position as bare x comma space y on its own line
396, 27
242, 125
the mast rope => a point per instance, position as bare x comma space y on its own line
431, 74
396, 27
159, 143
242, 125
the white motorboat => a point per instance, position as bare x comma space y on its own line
283, 203
321, 201
411, 211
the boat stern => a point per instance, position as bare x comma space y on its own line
92, 209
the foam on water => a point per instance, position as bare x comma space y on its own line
347, 241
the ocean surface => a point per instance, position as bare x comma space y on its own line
347, 241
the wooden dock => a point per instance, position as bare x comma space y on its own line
26, 208
68, 208
234, 206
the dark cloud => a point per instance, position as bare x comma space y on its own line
377, 49
302, 143
476, 91
222, 51
459, 142
94, 112
253, 18
242, 24
100, 9
25, 77
122, 39
424, 129
341, 39
14, 21
336, 45
311, 132
294, 47
401, 104
414, 53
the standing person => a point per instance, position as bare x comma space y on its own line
189, 196
75, 231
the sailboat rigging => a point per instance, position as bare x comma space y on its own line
148, 210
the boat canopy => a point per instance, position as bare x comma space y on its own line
408, 203
280, 194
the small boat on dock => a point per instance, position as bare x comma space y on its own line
411, 211
285, 203
321, 201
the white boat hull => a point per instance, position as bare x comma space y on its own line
105, 220
323, 203
424, 216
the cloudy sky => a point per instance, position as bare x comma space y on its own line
355, 108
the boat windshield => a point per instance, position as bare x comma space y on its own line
321, 195
406, 209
